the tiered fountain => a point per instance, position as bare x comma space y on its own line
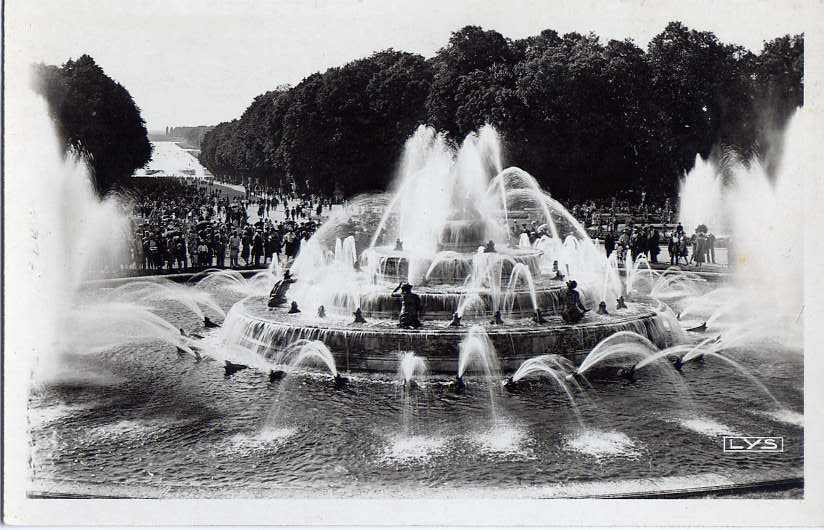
450, 231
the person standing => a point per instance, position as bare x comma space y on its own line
267, 245
683, 248
180, 248
711, 248
234, 250
699, 251
247, 247
220, 250
289, 244
609, 242
147, 257
641, 243
257, 248
203, 253
655, 245
277, 245
193, 243
153, 251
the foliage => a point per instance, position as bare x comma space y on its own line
192, 135
97, 117
586, 118
343, 129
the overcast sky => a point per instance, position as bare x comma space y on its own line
202, 61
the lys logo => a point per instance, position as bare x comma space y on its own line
753, 444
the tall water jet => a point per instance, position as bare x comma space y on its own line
477, 351
636, 267
769, 247
311, 353
764, 215
622, 345
162, 290
302, 353
426, 164
701, 198
70, 233
550, 366
411, 368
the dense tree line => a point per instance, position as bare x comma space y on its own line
584, 117
192, 135
95, 117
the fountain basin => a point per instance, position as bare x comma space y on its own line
373, 347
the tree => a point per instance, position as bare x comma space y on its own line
96, 117
338, 130
779, 90
587, 119
470, 50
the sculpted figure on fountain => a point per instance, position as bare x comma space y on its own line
411, 306
277, 297
573, 308
359, 317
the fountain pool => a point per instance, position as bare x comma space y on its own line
140, 420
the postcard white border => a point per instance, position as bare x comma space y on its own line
436, 512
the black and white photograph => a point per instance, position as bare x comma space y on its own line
441, 256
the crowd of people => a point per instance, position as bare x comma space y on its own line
180, 225
647, 228
615, 210
649, 240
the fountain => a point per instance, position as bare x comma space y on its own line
448, 234
461, 252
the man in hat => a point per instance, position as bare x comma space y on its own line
410, 306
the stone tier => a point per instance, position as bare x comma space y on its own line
375, 346
440, 304
452, 268
462, 235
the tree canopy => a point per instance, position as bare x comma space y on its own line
586, 118
96, 117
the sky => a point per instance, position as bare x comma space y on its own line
203, 61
